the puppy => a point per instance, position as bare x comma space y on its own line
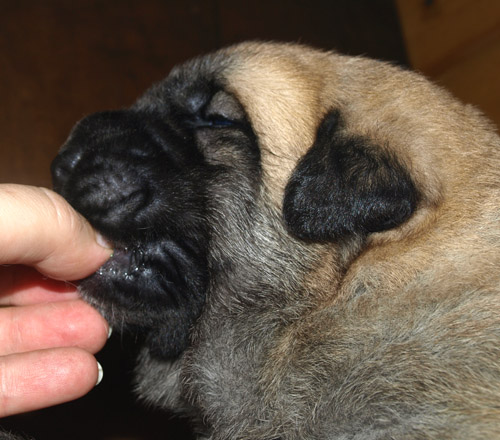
306, 244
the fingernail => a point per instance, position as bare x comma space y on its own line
101, 241
110, 331
100, 374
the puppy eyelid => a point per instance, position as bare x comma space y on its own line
213, 121
221, 121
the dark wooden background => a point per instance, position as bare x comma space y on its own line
63, 59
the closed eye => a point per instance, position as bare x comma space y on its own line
221, 121
215, 121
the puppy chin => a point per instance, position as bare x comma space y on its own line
154, 291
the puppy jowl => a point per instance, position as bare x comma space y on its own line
307, 243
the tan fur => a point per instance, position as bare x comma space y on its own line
451, 149
452, 245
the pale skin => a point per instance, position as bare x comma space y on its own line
48, 335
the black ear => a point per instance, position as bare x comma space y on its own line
345, 185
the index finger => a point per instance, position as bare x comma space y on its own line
40, 229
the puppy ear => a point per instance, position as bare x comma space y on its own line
346, 186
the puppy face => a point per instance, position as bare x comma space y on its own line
263, 199
151, 179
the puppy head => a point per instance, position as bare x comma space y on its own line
254, 153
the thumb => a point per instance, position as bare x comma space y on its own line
40, 229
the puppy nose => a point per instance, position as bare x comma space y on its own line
61, 168
93, 135
101, 169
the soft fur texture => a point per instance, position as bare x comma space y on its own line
307, 242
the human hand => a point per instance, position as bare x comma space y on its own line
47, 334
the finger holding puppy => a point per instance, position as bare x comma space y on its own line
47, 334
40, 229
